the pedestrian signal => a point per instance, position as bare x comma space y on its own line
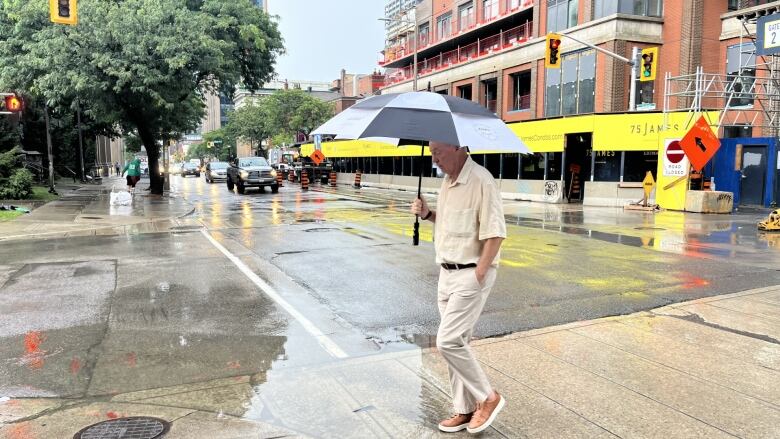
649, 64
13, 103
552, 56
64, 11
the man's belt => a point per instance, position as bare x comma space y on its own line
457, 266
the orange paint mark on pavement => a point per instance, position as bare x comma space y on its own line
112, 415
75, 366
131, 359
234, 365
20, 431
33, 356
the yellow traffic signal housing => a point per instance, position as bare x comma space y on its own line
648, 67
13, 103
64, 11
552, 55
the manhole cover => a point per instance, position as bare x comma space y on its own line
137, 427
649, 228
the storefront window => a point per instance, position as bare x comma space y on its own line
533, 167
607, 165
637, 164
552, 98
510, 169
554, 165
493, 164
386, 165
648, 8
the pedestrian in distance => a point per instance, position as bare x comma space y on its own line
133, 170
469, 228
116, 167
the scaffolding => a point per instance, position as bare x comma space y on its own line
749, 96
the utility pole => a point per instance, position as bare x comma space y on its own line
51, 154
81, 142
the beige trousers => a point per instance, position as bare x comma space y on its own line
461, 299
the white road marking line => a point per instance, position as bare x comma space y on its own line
329, 345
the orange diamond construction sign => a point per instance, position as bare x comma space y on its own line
700, 144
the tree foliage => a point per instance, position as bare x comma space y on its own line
141, 65
292, 111
250, 123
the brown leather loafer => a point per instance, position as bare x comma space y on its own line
485, 415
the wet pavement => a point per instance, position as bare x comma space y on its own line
309, 314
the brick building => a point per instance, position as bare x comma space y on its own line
491, 52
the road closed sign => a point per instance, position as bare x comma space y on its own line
675, 162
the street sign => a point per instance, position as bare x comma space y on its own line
700, 144
648, 184
768, 35
675, 162
317, 142
317, 157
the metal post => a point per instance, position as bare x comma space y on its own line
81, 142
414, 84
51, 154
632, 99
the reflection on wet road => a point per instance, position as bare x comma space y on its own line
174, 321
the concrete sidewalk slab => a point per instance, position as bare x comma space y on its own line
655, 374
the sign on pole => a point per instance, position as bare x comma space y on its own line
700, 144
675, 162
768, 35
317, 156
648, 184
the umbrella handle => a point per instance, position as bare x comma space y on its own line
416, 237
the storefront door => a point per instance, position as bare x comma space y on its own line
754, 164
578, 164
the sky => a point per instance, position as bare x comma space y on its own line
324, 36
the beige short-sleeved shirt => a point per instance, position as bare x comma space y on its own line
469, 211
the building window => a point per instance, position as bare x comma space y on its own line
510, 166
423, 35
444, 26
554, 165
637, 163
466, 16
521, 91
490, 94
512, 4
464, 91
644, 95
733, 131
607, 165
572, 88
647, 8
561, 14
493, 164
742, 4
741, 71
489, 9
533, 166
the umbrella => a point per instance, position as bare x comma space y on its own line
424, 116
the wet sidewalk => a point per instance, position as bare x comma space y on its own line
85, 210
705, 368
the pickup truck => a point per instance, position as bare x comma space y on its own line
245, 172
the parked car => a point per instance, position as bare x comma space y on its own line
190, 169
216, 171
247, 172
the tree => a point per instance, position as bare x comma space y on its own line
142, 65
198, 151
224, 144
250, 124
293, 111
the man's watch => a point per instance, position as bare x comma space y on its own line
430, 212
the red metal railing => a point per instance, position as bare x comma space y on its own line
482, 47
407, 48
522, 103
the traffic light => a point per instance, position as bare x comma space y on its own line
13, 103
552, 56
649, 65
64, 11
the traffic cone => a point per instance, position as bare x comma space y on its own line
332, 178
358, 176
304, 181
291, 176
279, 179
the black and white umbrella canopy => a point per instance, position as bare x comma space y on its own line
424, 116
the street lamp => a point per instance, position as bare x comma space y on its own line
414, 62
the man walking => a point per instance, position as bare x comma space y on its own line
469, 228
133, 170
